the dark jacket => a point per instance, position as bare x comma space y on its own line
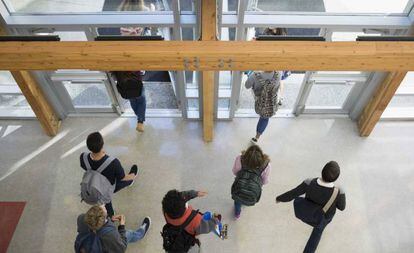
112, 242
317, 192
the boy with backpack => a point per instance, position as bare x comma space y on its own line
183, 222
321, 200
130, 86
103, 175
265, 87
98, 234
252, 169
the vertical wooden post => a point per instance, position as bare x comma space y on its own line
208, 33
35, 97
379, 102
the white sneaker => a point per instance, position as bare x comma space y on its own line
254, 141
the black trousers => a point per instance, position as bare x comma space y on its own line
119, 185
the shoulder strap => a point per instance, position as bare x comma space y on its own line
105, 164
328, 205
86, 161
189, 219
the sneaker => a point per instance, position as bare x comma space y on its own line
134, 169
253, 141
147, 223
140, 127
237, 216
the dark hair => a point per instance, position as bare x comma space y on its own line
254, 158
275, 31
330, 172
173, 204
95, 142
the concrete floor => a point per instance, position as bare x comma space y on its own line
377, 173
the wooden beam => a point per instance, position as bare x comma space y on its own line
208, 33
379, 102
35, 97
209, 20
208, 55
208, 105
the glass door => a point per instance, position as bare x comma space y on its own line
85, 91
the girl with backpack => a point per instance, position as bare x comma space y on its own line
252, 169
265, 86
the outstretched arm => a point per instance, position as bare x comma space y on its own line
188, 195
296, 192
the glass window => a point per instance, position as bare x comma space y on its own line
330, 89
193, 108
331, 6
328, 95
82, 6
12, 101
88, 94
230, 5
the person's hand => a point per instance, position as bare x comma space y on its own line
116, 218
122, 220
201, 194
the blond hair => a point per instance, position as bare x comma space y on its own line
95, 218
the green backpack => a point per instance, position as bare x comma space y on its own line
247, 187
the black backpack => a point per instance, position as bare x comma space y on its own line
176, 239
247, 187
129, 86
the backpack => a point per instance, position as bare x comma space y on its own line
129, 86
310, 212
89, 242
247, 187
95, 187
176, 239
266, 104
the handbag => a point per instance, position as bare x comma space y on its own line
310, 212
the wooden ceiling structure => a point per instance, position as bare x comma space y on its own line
208, 55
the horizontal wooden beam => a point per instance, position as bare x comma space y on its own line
208, 55
379, 102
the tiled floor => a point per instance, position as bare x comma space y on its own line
377, 174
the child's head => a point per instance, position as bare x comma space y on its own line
95, 218
95, 142
173, 204
330, 172
254, 158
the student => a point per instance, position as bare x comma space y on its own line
131, 87
252, 169
265, 86
96, 224
132, 80
319, 191
113, 172
177, 212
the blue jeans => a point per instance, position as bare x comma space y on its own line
316, 235
139, 105
134, 236
261, 125
237, 208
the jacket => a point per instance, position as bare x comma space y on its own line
112, 242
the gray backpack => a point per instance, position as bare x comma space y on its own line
95, 187
266, 104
